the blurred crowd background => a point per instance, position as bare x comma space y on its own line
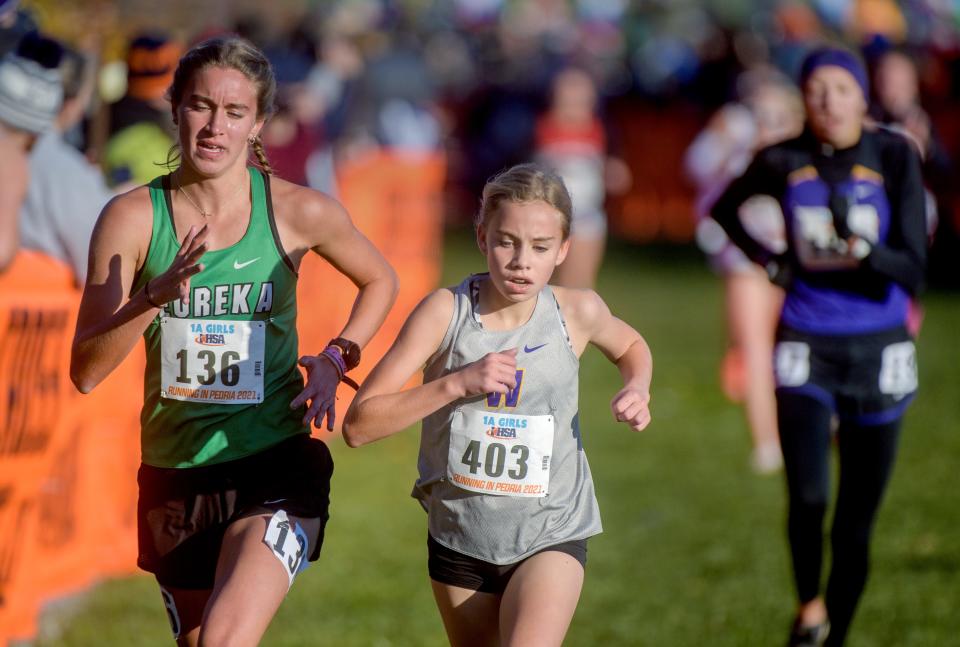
473, 81
647, 107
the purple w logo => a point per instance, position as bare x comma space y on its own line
513, 395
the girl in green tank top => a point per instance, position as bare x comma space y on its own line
228, 401
203, 264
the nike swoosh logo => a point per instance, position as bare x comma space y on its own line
237, 265
529, 349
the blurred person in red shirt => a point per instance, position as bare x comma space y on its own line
571, 139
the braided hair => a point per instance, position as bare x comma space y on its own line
261, 154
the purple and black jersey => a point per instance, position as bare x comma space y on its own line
872, 190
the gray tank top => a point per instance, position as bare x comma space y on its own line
494, 484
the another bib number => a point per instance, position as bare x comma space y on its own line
791, 363
898, 370
212, 361
497, 453
818, 246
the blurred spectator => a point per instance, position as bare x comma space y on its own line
14, 25
66, 192
293, 132
571, 139
394, 106
332, 79
290, 141
141, 124
327, 92
30, 98
897, 103
769, 111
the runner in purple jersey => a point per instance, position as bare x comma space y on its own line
852, 200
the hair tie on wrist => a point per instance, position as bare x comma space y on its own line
334, 358
146, 292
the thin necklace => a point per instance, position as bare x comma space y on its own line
206, 214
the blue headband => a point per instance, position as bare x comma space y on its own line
839, 58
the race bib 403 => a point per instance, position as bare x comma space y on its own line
500, 453
213, 361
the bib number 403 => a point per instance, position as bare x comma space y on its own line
500, 454
494, 460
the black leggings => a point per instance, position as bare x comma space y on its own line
866, 461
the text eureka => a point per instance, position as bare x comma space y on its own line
230, 299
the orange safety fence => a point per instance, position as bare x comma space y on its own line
68, 462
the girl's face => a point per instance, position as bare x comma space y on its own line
216, 117
835, 106
523, 243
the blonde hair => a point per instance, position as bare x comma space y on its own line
230, 52
526, 183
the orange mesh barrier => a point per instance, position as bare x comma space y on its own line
68, 462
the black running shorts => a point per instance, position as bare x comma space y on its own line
865, 378
182, 514
447, 566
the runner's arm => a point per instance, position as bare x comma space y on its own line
320, 224
590, 321
110, 322
382, 408
324, 226
760, 178
903, 258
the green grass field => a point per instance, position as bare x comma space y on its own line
694, 549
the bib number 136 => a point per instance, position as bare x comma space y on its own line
212, 361
228, 373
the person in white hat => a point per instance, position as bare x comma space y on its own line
66, 191
30, 98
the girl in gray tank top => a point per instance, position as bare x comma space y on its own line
502, 472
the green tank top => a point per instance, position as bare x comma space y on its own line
221, 370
